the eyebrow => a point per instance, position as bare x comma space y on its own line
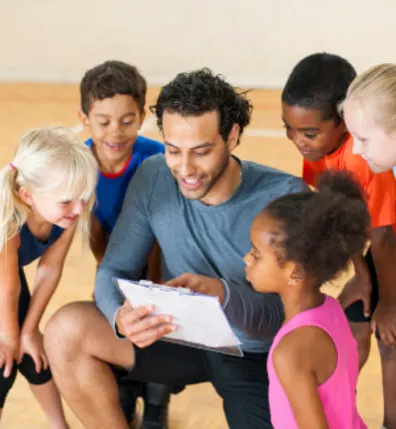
200, 146
302, 129
104, 115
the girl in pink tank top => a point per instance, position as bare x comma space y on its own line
299, 242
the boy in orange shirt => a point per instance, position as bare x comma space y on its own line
310, 100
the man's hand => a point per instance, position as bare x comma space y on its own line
200, 284
140, 327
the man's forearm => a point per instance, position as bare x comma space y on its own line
107, 296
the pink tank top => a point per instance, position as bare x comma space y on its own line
338, 393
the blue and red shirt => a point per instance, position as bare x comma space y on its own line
111, 188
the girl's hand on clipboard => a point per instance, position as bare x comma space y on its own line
200, 284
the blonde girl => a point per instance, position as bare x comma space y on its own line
46, 193
370, 115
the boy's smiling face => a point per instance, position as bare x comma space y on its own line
114, 124
313, 136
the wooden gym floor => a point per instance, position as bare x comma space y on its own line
30, 105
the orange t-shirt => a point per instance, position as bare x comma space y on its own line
380, 189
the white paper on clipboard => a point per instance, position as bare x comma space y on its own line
200, 318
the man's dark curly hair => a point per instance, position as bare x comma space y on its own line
109, 79
199, 92
321, 231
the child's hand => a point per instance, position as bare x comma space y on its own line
32, 344
384, 320
358, 288
8, 353
201, 284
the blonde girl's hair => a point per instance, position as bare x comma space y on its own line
375, 91
47, 160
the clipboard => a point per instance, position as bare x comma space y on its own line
201, 319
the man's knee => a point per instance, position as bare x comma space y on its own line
65, 330
80, 329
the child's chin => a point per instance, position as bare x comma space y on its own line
66, 223
262, 289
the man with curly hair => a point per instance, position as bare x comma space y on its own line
198, 202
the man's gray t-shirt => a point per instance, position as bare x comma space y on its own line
199, 239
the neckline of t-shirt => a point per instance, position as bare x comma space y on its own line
89, 142
46, 240
296, 318
337, 152
121, 172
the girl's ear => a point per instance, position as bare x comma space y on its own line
26, 196
296, 274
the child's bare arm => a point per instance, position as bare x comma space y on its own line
48, 274
98, 239
9, 298
383, 248
359, 287
295, 362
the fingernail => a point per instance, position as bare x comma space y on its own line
150, 308
173, 328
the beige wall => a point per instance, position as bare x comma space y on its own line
252, 42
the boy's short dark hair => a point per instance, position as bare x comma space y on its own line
320, 82
199, 92
109, 79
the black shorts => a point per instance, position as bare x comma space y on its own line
26, 367
242, 382
355, 311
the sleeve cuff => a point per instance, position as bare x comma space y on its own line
114, 326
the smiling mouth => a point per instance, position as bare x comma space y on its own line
307, 151
116, 146
191, 184
71, 218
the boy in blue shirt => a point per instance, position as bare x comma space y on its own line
113, 97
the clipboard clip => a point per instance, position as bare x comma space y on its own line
149, 284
